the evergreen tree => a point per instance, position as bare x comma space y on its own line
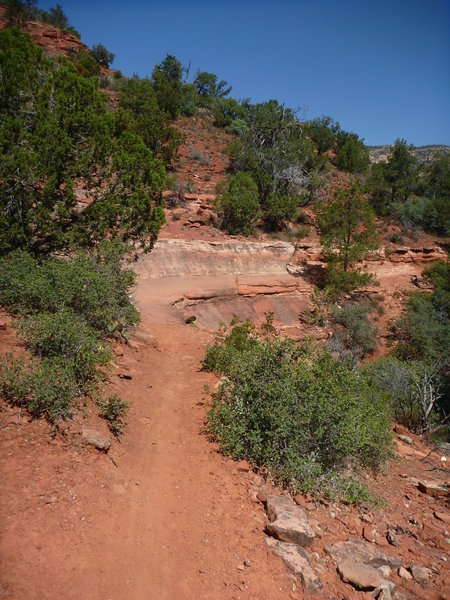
347, 231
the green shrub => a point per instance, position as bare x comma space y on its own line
69, 308
94, 286
312, 421
114, 410
64, 335
357, 336
85, 63
102, 55
415, 391
415, 377
239, 205
44, 387
280, 208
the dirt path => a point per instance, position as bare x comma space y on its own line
173, 520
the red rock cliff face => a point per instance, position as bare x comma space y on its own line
51, 39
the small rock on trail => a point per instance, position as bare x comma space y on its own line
289, 522
297, 560
360, 576
96, 439
362, 552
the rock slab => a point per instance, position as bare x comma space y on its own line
288, 522
96, 439
362, 552
360, 576
297, 560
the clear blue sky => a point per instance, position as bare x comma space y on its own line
379, 67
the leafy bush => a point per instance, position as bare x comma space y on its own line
85, 63
69, 308
280, 208
44, 387
65, 336
352, 155
93, 286
310, 420
415, 391
102, 56
415, 377
114, 409
239, 205
356, 335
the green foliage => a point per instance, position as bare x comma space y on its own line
430, 214
68, 309
64, 335
352, 154
347, 230
85, 63
416, 392
142, 114
423, 332
93, 286
239, 206
227, 111
166, 78
417, 198
400, 171
55, 132
102, 55
209, 89
44, 387
280, 208
273, 150
114, 409
20, 11
322, 131
308, 419
355, 336
56, 16
415, 377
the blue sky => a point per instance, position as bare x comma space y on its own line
381, 68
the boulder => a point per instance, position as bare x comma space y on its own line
297, 560
404, 574
289, 522
362, 552
420, 574
96, 439
432, 489
360, 576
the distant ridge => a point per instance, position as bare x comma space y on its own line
424, 154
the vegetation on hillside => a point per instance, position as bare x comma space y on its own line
68, 310
312, 421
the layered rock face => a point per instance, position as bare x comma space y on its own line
209, 282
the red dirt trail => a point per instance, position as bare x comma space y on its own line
173, 520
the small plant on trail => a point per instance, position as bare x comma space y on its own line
114, 409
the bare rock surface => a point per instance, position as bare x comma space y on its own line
360, 576
289, 522
362, 552
96, 439
297, 560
